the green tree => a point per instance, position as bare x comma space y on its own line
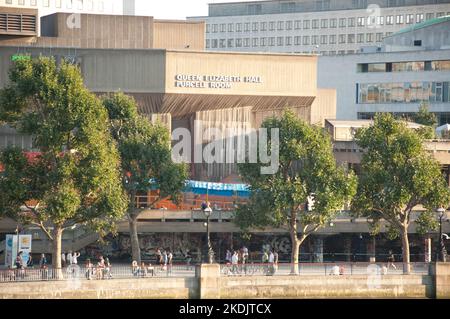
145, 151
425, 117
307, 169
76, 177
397, 175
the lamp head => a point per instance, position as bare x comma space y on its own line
207, 211
441, 211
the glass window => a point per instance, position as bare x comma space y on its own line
379, 37
214, 43
430, 16
288, 40
255, 42
369, 37
255, 26
46, 3
263, 41
399, 19
351, 22
440, 65
247, 42
333, 23
58, 3
223, 27
247, 27
215, 28
222, 43
390, 20
360, 37
238, 27
238, 43
342, 23
280, 25
297, 40
272, 41
230, 27
33, 3
297, 24
419, 17
272, 26
342, 38
361, 21
305, 40
376, 67
324, 23
315, 23
263, 26
208, 43
288, 25
380, 20
230, 43
208, 28
440, 14
306, 24
323, 39
280, 41
409, 18
315, 40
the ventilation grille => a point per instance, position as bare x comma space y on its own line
17, 23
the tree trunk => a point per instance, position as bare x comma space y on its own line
295, 251
56, 254
295, 243
134, 239
405, 251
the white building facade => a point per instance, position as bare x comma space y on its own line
46, 7
328, 27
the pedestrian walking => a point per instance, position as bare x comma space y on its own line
164, 255
69, 258
234, 262
228, 256
271, 263
265, 260
169, 263
391, 260
89, 269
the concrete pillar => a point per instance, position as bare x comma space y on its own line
318, 249
209, 281
441, 280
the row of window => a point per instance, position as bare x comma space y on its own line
297, 40
408, 92
372, 21
70, 4
442, 65
443, 117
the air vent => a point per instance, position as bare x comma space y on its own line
18, 24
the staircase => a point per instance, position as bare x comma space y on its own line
76, 244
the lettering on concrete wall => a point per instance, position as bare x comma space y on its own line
213, 81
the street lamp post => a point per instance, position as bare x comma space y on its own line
442, 251
207, 211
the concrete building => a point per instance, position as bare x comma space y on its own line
180, 85
328, 27
46, 7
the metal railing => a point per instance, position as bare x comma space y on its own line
75, 272
321, 269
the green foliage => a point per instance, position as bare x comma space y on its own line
397, 175
424, 116
76, 178
306, 166
145, 150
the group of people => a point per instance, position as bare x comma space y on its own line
100, 271
164, 259
69, 258
241, 257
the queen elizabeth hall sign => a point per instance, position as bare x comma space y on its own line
213, 81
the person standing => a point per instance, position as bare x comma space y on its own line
63, 259
234, 262
391, 260
244, 254
69, 258
228, 257
30, 262
43, 267
164, 255
169, 263
271, 263
75, 258
275, 260
265, 260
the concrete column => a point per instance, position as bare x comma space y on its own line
209, 281
318, 249
441, 280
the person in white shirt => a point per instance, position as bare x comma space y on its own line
234, 262
75, 258
69, 258
63, 259
271, 262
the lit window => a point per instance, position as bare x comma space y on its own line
399, 19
